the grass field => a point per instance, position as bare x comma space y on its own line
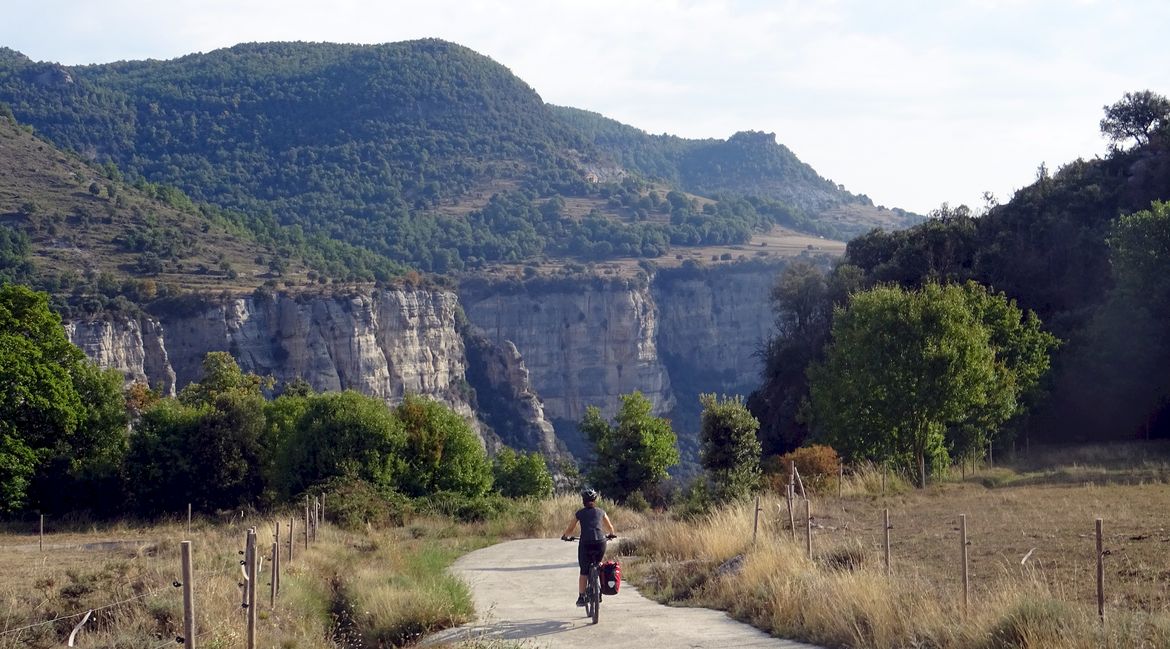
842, 597
351, 589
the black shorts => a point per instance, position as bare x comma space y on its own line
589, 553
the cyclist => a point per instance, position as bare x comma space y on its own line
592, 547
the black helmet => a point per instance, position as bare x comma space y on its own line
589, 494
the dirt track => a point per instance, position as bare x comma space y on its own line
524, 591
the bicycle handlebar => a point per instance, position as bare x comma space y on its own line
570, 539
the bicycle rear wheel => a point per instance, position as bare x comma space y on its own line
595, 592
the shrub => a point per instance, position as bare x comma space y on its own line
354, 504
520, 475
465, 509
817, 464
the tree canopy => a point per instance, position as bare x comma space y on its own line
633, 452
729, 448
906, 369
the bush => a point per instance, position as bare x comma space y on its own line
521, 475
465, 509
817, 464
354, 503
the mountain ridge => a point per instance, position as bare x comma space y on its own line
395, 148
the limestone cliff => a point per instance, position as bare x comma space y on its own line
133, 347
532, 352
584, 342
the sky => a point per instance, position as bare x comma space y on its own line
913, 103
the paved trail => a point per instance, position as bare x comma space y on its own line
524, 591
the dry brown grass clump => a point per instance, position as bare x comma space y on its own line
842, 597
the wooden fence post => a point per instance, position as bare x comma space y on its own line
292, 537
272, 577
188, 597
840, 480
963, 541
322, 507
885, 470
42, 533
756, 522
276, 564
791, 514
188, 520
251, 555
307, 523
808, 526
1100, 573
886, 527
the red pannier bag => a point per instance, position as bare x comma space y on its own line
611, 578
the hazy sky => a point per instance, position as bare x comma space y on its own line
912, 103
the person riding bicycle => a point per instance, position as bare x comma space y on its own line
592, 547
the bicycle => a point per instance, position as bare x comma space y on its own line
593, 585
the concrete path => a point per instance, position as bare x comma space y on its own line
524, 591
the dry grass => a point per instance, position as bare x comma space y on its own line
842, 597
371, 588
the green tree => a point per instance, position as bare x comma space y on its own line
441, 452
634, 452
1138, 115
729, 448
40, 407
207, 447
521, 475
907, 367
330, 435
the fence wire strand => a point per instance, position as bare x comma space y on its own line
94, 610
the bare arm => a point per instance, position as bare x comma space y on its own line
571, 527
608, 525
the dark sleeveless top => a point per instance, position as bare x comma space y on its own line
590, 519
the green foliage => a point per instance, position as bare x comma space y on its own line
632, 453
1137, 116
802, 300
730, 450
521, 475
206, 448
464, 507
55, 407
441, 452
355, 504
325, 436
905, 368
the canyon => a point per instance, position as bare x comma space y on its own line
522, 360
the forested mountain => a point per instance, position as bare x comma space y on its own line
1066, 247
748, 163
420, 152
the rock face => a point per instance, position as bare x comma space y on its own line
711, 324
584, 342
134, 347
533, 352
505, 399
381, 343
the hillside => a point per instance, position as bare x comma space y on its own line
748, 163
1068, 247
71, 227
420, 152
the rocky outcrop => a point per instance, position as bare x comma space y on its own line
584, 342
532, 353
133, 347
504, 396
712, 323
384, 343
